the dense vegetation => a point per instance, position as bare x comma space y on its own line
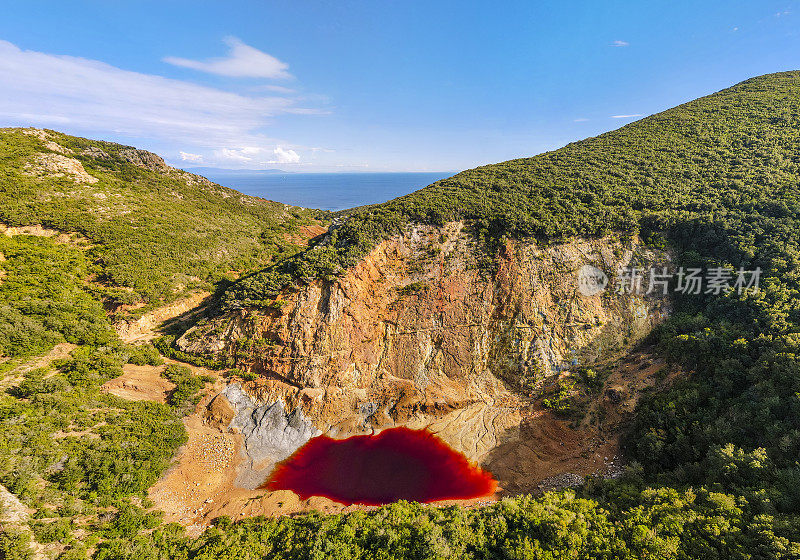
44, 299
659, 524
716, 471
67, 449
187, 387
155, 230
719, 180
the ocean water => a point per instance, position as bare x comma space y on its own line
326, 191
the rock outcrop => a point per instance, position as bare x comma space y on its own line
421, 334
270, 433
145, 159
57, 165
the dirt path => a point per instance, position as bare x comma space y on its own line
15, 375
146, 327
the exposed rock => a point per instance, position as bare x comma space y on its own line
14, 514
192, 179
417, 334
50, 145
143, 158
458, 337
270, 434
12, 510
57, 165
96, 153
219, 413
561, 481
47, 139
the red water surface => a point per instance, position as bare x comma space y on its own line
397, 464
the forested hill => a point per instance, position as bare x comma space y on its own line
712, 463
733, 151
154, 229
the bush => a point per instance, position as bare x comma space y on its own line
15, 545
188, 386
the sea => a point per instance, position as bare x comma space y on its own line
325, 191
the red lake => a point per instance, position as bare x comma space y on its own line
396, 464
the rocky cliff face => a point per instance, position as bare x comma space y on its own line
419, 334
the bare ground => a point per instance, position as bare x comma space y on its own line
200, 485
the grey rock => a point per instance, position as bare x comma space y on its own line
368, 409
270, 433
96, 153
561, 481
143, 158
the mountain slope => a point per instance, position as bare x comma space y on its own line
714, 449
156, 230
718, 181
732, 151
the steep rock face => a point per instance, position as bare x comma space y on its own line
419, 334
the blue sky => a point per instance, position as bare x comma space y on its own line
372, 86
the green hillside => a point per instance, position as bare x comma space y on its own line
717, 179
155, 229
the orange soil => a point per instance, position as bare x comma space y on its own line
200, 485
140, 383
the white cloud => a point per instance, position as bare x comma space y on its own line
285, 156
276, 89
626, 116
243, 61
619, 43
241, 155
195, 158
90, 97
256, 155
581, 119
